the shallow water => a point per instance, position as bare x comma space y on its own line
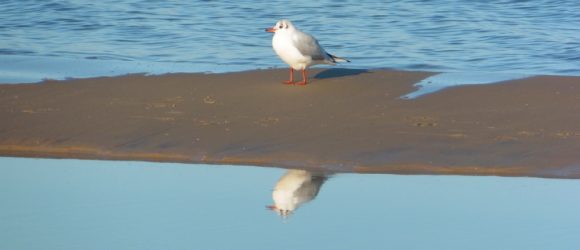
77, 204
60, 39
444, 80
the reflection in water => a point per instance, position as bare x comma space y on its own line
295, 188
93, 205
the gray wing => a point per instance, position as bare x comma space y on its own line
309, 189
308, 46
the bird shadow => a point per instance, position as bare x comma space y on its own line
339, 72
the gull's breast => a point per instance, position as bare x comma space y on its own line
286, 50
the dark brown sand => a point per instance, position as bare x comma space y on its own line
345, 121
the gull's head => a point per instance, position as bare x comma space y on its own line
281, 26
284, 213
285, 199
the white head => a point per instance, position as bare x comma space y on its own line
281, 26
295, 188
285, 202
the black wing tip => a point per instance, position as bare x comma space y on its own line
333, 57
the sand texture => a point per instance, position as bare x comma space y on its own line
345, 120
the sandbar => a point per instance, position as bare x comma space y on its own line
345, 120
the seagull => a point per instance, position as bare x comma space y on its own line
295, 188
299, 50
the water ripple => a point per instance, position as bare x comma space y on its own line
537, 37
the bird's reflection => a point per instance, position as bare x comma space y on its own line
295, 188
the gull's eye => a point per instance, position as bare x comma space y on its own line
280, 26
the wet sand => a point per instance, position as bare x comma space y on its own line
345, 120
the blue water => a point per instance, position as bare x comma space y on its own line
76, 204
441, 81
59, 39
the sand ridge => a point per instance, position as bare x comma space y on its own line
345, 120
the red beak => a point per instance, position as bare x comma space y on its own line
271, 30
271, 207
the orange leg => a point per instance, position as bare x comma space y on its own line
291, 81
304, 77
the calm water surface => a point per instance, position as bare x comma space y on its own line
72, 204
75, 204
59, 39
